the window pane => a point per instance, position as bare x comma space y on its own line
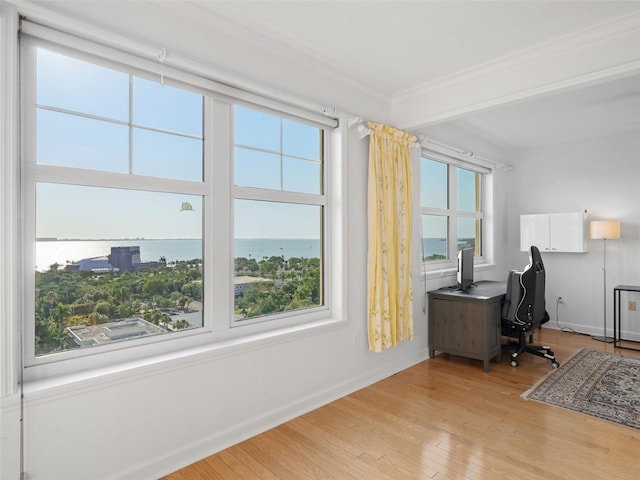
72, 141
301, 175
470, 234
256, 129
167, 108
296, 166
132, 265
166, 155
300, 140
434, 237
71, 84
257, 169
278, 257
468, 190
435, 185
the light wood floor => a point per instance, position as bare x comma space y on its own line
441, 419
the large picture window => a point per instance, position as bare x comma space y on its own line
451, 211
124, 180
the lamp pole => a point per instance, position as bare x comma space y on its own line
604, 338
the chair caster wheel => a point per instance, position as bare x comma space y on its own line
514, 363
551, 353
555, 364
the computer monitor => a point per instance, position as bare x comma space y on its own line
465, 269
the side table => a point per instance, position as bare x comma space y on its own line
616, 316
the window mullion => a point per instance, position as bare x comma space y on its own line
453, 212
130, 124
219, 216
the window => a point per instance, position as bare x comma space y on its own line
115, 260
279, 215
128, 227
451, 211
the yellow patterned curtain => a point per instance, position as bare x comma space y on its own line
390, 309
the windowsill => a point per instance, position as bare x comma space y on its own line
451, 272
87, 380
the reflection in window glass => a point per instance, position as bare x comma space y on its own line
434, 184
468, 190
278, 257
165, 155
114, 264
71, 84
72, 141
469, 234
434, 243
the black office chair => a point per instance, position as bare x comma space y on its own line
523, 309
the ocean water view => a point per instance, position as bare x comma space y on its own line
438, 246
62, 252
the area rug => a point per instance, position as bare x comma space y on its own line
600, 384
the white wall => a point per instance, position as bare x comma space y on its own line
602, 176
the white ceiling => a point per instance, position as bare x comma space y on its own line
393, 47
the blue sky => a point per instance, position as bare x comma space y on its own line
433, 176
270, 152
166, 140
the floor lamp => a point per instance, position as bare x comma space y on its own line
604, 230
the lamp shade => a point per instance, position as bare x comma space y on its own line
604, 229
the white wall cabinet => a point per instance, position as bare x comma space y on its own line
554, 232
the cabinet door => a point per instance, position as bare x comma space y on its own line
534, 230
458, 327
567, 232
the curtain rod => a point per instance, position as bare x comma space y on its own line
434, 145
42, 17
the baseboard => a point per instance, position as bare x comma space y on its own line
591, 330
171, 461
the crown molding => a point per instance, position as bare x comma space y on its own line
595, 34
561, 59
271, 45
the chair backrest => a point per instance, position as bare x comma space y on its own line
524, 302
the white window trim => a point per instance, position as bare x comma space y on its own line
448, 267
212, 338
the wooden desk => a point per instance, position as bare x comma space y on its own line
467, 324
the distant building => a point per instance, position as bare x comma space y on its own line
121, 259
124, 258
95, 264
123, 329
242, 282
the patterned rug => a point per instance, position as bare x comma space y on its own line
600, 384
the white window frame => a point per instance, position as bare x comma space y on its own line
217, 332
453, 214
296, 198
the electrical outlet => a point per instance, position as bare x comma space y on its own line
632, 306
